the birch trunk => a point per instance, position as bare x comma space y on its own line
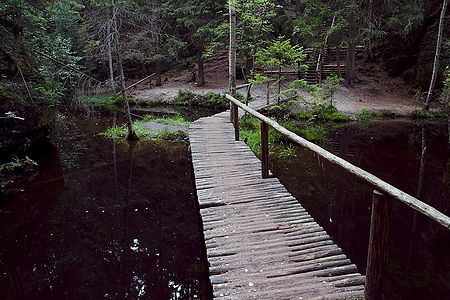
110, 59
131, 134
438, 53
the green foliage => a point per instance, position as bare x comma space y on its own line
420, 114
288, 151
176, 120
213, 100
17, 165
106, 100
314, 133
364, 114
280, 53
250, 134
120, 133
38, 48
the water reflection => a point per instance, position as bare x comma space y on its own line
412, 157
102, 220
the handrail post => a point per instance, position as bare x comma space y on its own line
235, 115
264, 150
378, 245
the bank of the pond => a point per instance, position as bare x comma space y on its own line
102, 220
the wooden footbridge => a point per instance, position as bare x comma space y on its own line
261, 243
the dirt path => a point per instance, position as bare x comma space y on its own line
375, 91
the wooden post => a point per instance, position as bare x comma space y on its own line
235, 115
264, 150
378, 245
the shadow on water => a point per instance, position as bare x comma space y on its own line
412, 157
103, 220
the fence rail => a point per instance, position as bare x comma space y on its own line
381, 202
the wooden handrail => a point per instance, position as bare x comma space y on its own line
376, 182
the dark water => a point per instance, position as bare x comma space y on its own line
418, 264
102, 220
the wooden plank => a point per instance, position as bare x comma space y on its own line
260, 242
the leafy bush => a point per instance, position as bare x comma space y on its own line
420, 114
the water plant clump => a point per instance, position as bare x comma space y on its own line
364, 114
145, 134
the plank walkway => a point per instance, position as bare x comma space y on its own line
261, 243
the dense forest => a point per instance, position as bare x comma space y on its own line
53, 50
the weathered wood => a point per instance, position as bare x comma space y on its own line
260, 242
378, 245
264, 150
138, 82
235, 122
376, 182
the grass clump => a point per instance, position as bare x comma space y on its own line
144, 133
176, 120
364, 115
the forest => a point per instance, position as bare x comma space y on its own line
97, 98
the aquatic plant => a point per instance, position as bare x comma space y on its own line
144, 133
364, 114
176, 120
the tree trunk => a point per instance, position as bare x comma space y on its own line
110, 59
248, 68
158, 72
350, 73
232, 53
232, 56
131, 134
438, 53
200, 68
